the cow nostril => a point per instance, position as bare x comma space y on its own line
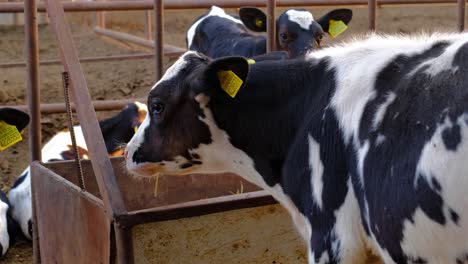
137, 156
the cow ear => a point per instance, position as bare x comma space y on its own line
227, 73
142, 111
14, 117
253, 18
336, 21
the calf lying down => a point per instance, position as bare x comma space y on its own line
365, 144
12, 122
116, 131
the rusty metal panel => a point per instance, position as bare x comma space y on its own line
253, 235
172, 190
144, 194
72, 225
35, 239
92, 133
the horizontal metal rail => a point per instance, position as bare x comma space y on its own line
169, 50
18, 7
87, 59
58, 108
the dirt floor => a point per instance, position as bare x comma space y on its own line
132, 79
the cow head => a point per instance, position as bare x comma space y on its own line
296, 30
119, 129
195, 40
179, 135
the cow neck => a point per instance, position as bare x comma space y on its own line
266, 115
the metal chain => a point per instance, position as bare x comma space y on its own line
66, 82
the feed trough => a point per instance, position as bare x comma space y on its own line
190, 219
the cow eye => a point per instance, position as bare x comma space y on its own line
284, 36
157, 108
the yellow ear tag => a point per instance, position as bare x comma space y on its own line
335, 28
258, 23
230, 82
251, 61
135, 129
9, 135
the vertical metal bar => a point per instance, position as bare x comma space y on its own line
100, 19
35, 230
148, 25
271, 25
42, 17
103, 19
32, 67
33, 98
159, 37
461, 15
124, 245
372, 6
16, 19
96, 18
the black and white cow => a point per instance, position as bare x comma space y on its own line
217, 34
365, 144
116, 131
296, 30
8, 227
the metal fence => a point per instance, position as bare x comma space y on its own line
71, 63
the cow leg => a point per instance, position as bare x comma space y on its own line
330, 249
345, 242
329, 252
